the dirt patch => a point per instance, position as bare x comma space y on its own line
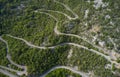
95, 28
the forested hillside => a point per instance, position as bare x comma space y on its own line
59, 38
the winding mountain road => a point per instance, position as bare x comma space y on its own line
68, 8
8, 56
68, 68
7, 73
10, 60
70, 18
52, 47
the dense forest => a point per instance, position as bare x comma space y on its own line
41, 34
